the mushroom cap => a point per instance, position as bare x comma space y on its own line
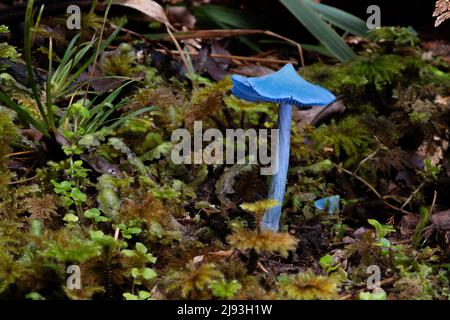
283, 86
330, 203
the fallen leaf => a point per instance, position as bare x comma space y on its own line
148, 7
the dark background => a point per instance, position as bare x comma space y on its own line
272, 15
417, 13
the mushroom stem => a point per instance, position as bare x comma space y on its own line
271, 219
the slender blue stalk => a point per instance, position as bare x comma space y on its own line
271, 219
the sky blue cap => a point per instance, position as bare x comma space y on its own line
284, 86
331, 204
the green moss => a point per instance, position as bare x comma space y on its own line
348, 138
378, 71
389, 36
6, 51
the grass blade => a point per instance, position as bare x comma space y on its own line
102, 48
23, 114
129, 116
340, 18
27, 55
320, 29
225, 16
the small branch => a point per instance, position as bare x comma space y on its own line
213, 34
21, 181
412, 195
18, 154
183, 55
261, 267
433, 203
369, 157
240, 58
372, 188
354, 175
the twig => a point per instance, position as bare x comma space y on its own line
433, 203
354, 175
260, 266
215, 33
369, 157
233, 57
182, 55
412, 195
21, 181
18, 154
372, 188
299, 47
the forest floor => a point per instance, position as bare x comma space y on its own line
89, 193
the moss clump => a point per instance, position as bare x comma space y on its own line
308, 286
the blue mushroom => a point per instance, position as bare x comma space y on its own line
288, 89
331, 204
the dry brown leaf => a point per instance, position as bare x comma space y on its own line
222, 253
442, 11
148, 7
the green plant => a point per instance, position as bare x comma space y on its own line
316, 17
8, 135
86, 118
6, 51
11, 270
430, 172
194, 279
418, 232
142, 295
377, 71
95, 215
379, 294
69, 193
227, 18
327, 263
70, 246
394, 36
381, 230
131, 228
69, 190
225, 289
349, 138
140, 272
